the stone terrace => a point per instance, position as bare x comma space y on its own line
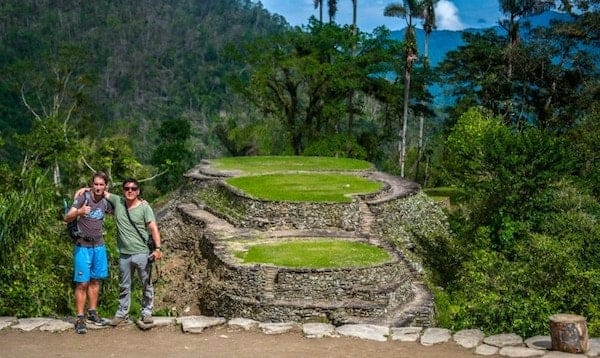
224, 220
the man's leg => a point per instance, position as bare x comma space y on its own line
93, 291
144, 267
81, 276
99, 271
125, 268
81, 290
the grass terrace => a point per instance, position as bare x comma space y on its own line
269, 164
305, 187
315, 254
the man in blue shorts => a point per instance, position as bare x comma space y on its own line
90, 259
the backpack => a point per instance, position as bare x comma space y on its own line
73, 227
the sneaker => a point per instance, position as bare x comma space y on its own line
94, 318
118, 321
148, 319
80, 327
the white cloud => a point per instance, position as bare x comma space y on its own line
446, 16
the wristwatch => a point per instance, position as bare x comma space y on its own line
157, 248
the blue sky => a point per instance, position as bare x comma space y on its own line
450, 14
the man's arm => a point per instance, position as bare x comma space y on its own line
74, 211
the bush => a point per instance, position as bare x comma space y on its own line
336, 146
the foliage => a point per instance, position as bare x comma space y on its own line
525, 236
25, 205
35, 275
305, 187
172, 157
316, 254
265, 164
303, 78
150, 63
336, 146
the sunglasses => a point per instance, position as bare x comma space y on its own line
130, 188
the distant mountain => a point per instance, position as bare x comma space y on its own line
443, 41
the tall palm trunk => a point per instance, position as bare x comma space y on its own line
410, 58
428, 26
351, 92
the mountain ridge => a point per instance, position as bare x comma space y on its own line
443, 41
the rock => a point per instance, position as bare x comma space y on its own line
29, 324
468, 338
57, 325
503, 340
243, 323
512, 351
539, 342
486, 350
406, 334
196, 324
161, 321
277, 328
594, 348
433, 336
318, 330
364, 331
158, 321
7, 321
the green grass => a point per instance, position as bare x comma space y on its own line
443, 193
269, 164
305, 187
316, 254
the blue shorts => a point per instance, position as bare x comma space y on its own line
90, 263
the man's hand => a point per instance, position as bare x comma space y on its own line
84, 210
80, 192
156, 255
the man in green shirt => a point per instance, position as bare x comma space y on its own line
136, 224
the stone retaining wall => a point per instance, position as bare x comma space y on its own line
243, 211
278, 294
389, 292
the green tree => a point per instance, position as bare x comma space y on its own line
300, 78
172, 156
515, 230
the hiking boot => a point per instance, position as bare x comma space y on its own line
80, 327
94, 318
147, 319
119, 321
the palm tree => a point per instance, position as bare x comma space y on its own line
319, 4
332, 9
351, 93
428, 26
354, 9
408, 10
515, 10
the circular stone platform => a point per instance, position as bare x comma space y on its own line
219, 218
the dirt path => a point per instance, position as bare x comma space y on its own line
214, 342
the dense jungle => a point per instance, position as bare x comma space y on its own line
148, 88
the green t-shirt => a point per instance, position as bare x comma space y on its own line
129, 241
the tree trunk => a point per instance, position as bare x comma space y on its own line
420, 145
402, 146
569, 333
